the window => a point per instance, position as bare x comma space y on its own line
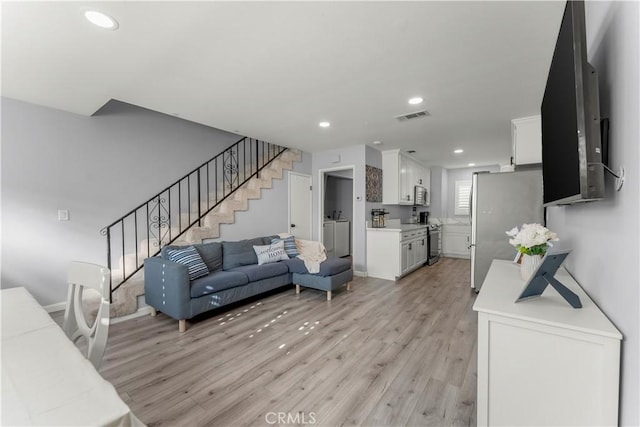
462, 197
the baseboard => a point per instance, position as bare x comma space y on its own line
360, 273
59, 306
142, 311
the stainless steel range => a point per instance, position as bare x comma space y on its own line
434, 233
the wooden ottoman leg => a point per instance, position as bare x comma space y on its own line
348, 286
182, 325
297, 289
153, 312
328, 295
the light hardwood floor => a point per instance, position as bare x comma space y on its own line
382, 354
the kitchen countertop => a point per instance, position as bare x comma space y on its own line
394, 225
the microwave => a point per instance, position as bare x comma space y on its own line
420, 196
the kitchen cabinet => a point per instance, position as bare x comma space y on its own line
395, 252
400, 174
526, 138
541, 362
456, 239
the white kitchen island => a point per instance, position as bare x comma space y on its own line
540, 361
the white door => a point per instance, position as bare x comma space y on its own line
300, 205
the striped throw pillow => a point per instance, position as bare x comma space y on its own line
289, 245
192, 259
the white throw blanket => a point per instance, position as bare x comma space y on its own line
311, 252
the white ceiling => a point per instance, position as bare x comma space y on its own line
273, 70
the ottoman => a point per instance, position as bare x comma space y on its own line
334, 273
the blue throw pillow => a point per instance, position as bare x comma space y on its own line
289, 245
192, 259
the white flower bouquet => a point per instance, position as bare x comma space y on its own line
532, 239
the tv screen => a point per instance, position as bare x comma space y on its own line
571, 162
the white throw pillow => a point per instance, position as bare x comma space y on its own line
270, 253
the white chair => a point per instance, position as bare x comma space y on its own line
83, 275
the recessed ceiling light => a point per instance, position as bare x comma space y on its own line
101, 20
377, 142
324, 124
472, 164
458, 151
416, 100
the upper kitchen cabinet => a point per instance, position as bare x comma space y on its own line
526, 136
400, 174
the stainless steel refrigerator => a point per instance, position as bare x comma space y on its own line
499, 202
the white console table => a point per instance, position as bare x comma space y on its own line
45, 379
541, 362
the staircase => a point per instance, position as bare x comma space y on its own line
189, 211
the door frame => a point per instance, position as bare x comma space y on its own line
321, 190
310, 201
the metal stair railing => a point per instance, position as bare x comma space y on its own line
168, 215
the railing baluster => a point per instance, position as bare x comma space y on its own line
135, 225
124, 268
108, 231
199, 200
232, 179
148, 232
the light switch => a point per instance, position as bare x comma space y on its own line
63, 215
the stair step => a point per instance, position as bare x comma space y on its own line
125, 298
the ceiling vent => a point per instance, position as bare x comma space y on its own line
411, 116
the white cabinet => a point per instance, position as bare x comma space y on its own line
328, 237
342, 239
456, 239
526, 136
414, 250
400, 174
336, 238
392, 253
541, 362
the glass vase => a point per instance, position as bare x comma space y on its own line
529, 265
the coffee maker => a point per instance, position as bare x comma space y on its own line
424, 217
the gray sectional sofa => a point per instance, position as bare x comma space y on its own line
233, 275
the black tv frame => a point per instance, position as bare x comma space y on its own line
587, 109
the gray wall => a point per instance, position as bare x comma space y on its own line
438, 176
269, 214
604, 235
338, 197
98, 168
348, 156
448, 194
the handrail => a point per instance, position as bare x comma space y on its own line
164, 222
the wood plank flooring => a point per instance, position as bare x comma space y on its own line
383, 354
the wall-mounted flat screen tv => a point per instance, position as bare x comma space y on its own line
572, 167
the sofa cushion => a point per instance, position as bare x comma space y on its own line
295, 265
218, 281
329, 267
190, 257
333, 266
236, 254
257, 272
268, 254
211, 254
289, 245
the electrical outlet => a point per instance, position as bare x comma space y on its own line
63, 215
